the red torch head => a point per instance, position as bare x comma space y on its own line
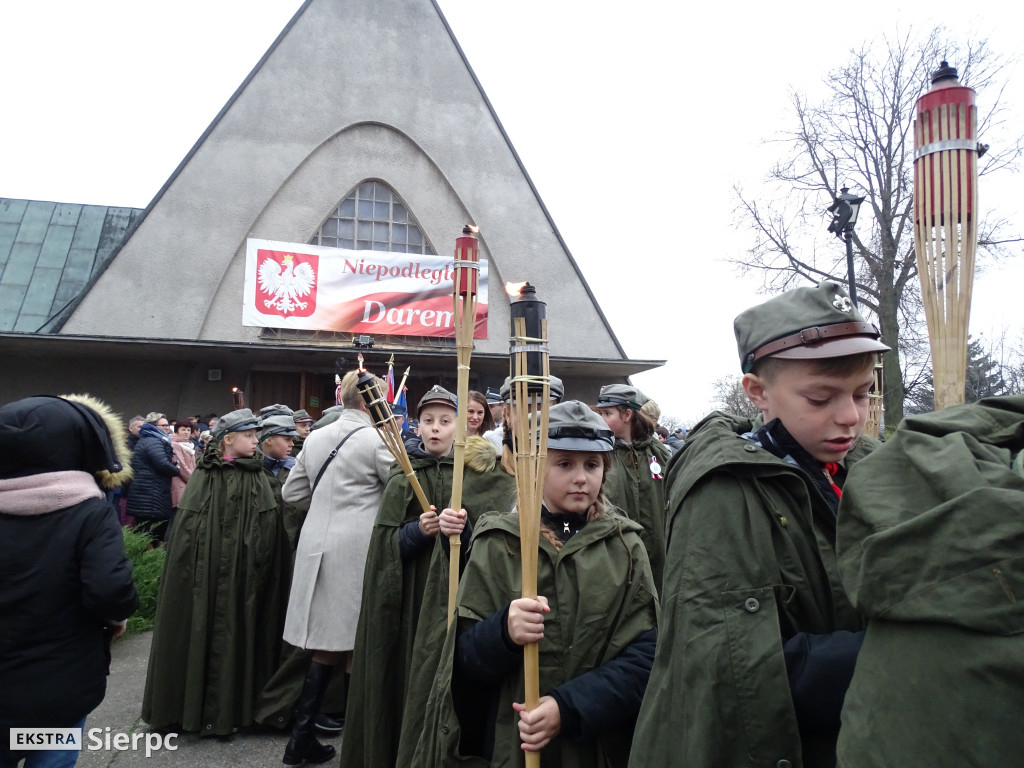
467, 261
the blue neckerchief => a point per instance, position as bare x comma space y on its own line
276, 465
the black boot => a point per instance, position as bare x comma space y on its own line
303, 746
331, 726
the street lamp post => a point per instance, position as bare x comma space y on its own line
844, 217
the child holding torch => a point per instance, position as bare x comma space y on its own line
595, 619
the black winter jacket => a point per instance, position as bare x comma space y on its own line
149, 497
63, 577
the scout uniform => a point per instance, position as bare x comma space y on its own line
931, 549
400, 563
217, 633
598, 640
752, 594
636, 484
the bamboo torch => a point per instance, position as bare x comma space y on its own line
530, 391
946, 153
380, 414
467, 271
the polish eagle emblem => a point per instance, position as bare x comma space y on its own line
286, 283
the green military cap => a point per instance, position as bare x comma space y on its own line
621, 394
277, 409
302, 415
330, 415
803, 324
573, 426
556, 389
277, 425
236, 421
437, 395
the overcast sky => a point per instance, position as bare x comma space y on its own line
633, 121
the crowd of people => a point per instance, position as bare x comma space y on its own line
778, 591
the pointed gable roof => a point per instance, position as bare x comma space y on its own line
349, 91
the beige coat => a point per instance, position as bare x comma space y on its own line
186, 466
327, 584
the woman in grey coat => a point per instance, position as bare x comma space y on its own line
323, 607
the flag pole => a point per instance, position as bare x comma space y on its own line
464, 297
531, 401
405, 377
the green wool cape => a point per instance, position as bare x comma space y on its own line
399, 618
931, 548
634, 489
602, 597
223, 592
750, 545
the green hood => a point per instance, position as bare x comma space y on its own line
930, 525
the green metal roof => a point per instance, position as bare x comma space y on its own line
48, 254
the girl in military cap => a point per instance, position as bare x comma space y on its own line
637, 485
403, 609
217, 636
595, 621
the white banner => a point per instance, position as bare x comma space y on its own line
289, 285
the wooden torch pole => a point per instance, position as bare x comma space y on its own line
380, 414
467, 270
531, 401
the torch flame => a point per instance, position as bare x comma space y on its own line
514, 289
473, 228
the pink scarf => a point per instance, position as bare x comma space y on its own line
46, 492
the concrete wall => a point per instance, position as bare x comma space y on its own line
357, 89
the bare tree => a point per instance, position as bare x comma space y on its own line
731, 397
861, 136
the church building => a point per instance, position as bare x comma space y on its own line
314, 220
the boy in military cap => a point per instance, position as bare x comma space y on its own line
397, 617
303, 426
758, 639
636, 484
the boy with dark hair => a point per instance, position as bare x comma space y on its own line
757, 638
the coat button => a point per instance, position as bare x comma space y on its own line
783, 764
749, 447
445, 729
753, 606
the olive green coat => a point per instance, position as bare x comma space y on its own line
931, 548
750, 540
399, 618
634, 489
602, 597
217, 633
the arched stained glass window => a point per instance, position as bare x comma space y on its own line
373, 218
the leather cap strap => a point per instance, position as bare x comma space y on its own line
816, 335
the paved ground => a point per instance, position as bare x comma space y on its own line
120, 712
